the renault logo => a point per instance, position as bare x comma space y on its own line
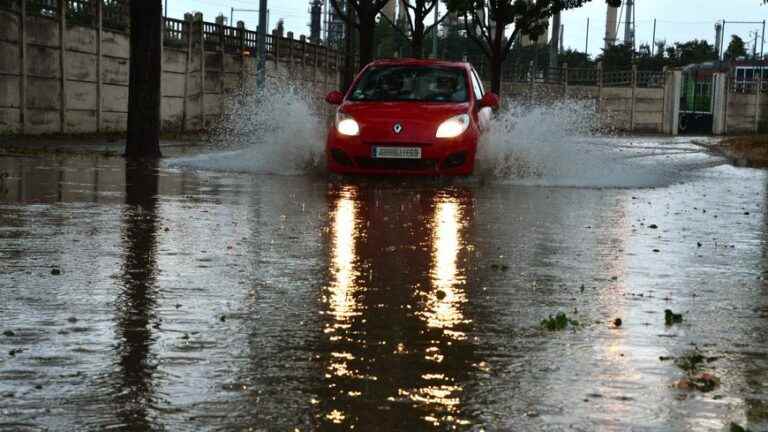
397, 128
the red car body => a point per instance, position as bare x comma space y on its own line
400, 136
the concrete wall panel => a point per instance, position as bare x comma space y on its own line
43, 93
115, 98
213, 104
232, 63
81, 66
42, 121
115, 70
212, 61
617, 93
114, 122
9, 121
81, 96
649, 93
43, 61
174, 60
82, 39
9, 58
9, 91
212, 82
9, 31
80, 121
172, 112
173, 84
116, 44
42, 31
648, 117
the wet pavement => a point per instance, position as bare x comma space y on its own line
145, 297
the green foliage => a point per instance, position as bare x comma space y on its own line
558, 322
694, 51
621, 57
672, 318
575, 59
736, 48
616, 57
735, 427
690, 361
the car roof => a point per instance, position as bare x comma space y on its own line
419, 62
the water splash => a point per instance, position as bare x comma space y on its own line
277, 130
281, 131
562, 144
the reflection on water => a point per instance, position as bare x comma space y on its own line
136, 301
396, 327
341, 298
398, 317
445, 300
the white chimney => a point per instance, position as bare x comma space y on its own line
611, 17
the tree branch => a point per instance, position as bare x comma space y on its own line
437, 23
394, 26
344, 16
475, 39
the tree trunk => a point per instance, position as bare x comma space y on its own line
495, 62
349, 51
498, 54
368, 23
417, 39
143, 138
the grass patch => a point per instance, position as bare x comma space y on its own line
751, 150
672, 318
735, 427
558, 322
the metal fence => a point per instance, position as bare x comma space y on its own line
584, 76
177, 33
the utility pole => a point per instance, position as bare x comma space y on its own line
653, 39
143, 135
262, 44
586, 44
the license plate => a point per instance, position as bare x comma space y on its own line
397, 152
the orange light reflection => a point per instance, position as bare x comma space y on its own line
445, 300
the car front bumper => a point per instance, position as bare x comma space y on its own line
353, 155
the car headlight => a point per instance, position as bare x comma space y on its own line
346, 125
453, 127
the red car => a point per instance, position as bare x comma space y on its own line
406, 116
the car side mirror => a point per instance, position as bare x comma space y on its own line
335, 97
489, 100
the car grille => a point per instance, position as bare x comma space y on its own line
399, 144
397, 164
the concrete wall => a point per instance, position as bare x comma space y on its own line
631, 109
745, 114
83, 87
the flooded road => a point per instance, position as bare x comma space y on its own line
161, 298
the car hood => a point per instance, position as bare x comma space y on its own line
419, 121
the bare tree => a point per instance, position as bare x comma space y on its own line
416, 14
524, 17
365, 12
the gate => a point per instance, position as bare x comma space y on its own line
696, 97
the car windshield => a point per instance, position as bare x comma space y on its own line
411, 83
